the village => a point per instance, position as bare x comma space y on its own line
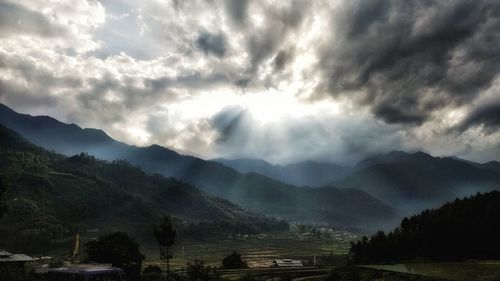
262, 255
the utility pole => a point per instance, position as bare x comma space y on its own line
182, 258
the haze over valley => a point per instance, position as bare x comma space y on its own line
217, 140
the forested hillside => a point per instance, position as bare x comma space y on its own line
340, 208
52, 197
416, 181
463, 229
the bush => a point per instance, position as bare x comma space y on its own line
152, 273
233, 261
152, 269
120, 250
199, 272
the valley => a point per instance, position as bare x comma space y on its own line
250, 140
218, 210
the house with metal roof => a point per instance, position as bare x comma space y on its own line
86, 272
6, 257
287, 263
13, 263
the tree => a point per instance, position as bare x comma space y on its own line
197, 271
165, 234
233, 261
3, 189
152, 273
119, 249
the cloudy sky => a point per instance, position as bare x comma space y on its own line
280, 80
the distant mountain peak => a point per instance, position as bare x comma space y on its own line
394, 157
492, 165
255, 192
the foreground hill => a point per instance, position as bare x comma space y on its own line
343, 208
51, 196
463, 229
306, 173
418, 181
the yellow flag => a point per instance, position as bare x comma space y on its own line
77, 245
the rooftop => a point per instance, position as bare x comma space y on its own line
87, 268
8, 257
288, 262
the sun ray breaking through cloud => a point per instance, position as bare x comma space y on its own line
321, 80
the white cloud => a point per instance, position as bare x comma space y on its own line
137, 70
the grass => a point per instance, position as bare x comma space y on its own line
257, 250
472, 270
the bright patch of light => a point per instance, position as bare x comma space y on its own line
266, 106
140, 135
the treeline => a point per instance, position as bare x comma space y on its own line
46, 198
224, 227
466, 228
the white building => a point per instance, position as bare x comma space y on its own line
287, 263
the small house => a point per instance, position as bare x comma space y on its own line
13, 262
86, 272
8, 258
287, 263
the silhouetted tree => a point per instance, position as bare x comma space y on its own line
3, 201
118, 249
165, 234
233, 261
197, 271
463, 229
152, 273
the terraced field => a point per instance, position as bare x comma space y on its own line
257, 250
296, 274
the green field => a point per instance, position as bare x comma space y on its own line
474, 270
256, 250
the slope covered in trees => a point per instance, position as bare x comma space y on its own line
463, 229
306, 173
353, 209
416, 181
51, 197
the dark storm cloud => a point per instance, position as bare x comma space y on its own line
406, 59
16, 19
38, 77
237, 10
194, 80
229, 122
282, 59
36, 85
214, 44
92, 93
393, 114
21, 95
265, 43
487, 115
324, 139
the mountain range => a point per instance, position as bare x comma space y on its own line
409, 182
376, 190
306, 173
257, 193
416, 181
51, 196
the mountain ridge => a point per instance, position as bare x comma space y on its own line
401, 178
306, 173
51, 196
252, 191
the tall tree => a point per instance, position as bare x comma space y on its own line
3, 201
120, 250
233, 261
165, 234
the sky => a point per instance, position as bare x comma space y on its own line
283, 81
